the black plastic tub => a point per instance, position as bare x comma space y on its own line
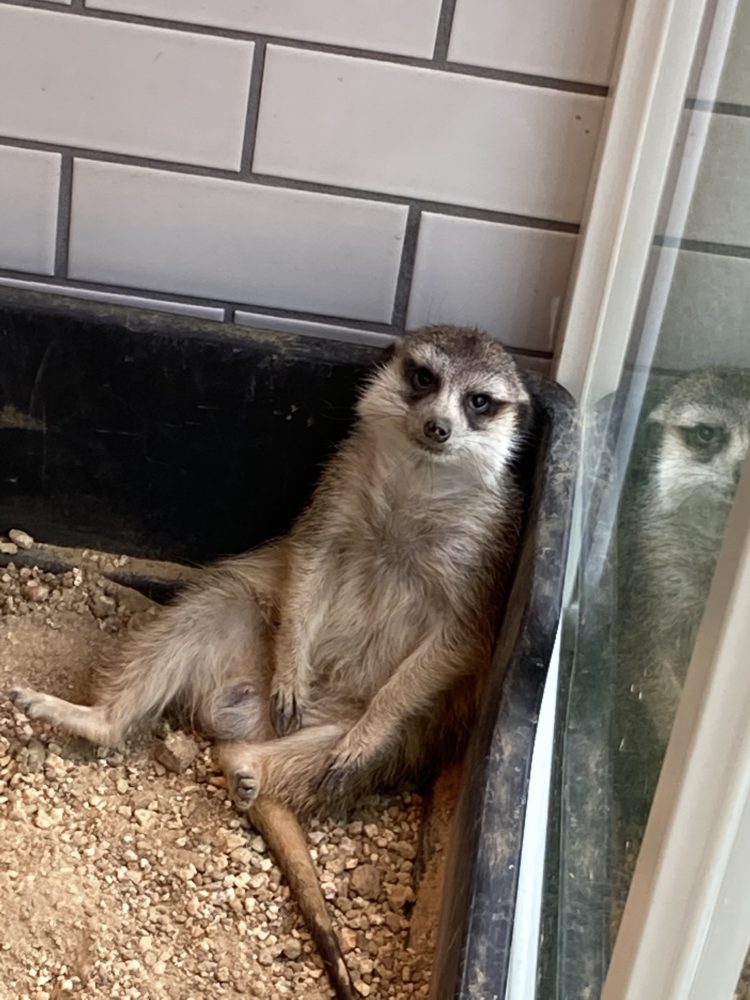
182, 439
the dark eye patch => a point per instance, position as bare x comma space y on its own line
705, 440
421, 380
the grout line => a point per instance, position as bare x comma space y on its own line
253, 109
459, 69
294, 184
719, 107
424, 204
527, 352
62, 238
703, 246
522, 79
127, 159
45, 5
366, 326
406, 269
443, 33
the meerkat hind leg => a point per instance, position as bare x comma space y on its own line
211, 640
288, 768
80, 720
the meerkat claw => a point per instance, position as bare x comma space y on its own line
340, 777
26, 700
245, 789
286, 711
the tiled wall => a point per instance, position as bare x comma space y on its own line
707, 317
339, 167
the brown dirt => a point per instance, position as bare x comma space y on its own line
120, 879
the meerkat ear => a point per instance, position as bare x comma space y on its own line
653, 430
388, 353
658, 415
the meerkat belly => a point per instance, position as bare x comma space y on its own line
376, 614
388, 589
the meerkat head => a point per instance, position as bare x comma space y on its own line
705, 432
451, 395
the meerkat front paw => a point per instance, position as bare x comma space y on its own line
287, 705
33, 704
350, 760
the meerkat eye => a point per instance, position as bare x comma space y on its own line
422, 378
479, 402
705, 437
706, 434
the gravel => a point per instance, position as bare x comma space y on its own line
129, 875
22, 539
176, 752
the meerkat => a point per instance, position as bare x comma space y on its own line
351, 653
671, 530
703, 429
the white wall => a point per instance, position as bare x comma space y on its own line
349, 166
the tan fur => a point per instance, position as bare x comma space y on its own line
363, 636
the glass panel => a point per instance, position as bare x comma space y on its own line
661, 459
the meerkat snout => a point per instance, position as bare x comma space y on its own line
437, 429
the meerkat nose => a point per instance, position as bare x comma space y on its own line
438, 429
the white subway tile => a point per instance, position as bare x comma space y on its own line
720, 206
441, 136
235, 241
574, 40
507, 280
706, 317
29, 193
135, 301
307, 328
123, 88
381, 25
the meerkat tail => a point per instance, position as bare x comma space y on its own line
284, 836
